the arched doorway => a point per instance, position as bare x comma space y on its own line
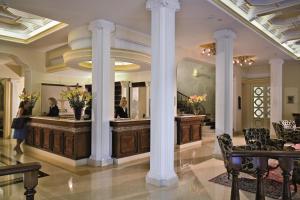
11, 85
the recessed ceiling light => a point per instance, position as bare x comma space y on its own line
119, 65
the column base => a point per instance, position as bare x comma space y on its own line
100, 163
162, 182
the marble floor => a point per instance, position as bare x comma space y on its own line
194, 166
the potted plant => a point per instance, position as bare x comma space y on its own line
196, 103
31, 98
78, 99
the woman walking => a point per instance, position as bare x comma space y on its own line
20, 133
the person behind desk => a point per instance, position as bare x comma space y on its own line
53, 110
121, 110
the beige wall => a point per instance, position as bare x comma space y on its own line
291, 87
197, 78
133, 76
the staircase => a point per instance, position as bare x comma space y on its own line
185, 108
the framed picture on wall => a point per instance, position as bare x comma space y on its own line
290, 99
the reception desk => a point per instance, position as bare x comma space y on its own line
130, 137
65, 137
189, 128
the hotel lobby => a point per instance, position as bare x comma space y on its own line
154, 99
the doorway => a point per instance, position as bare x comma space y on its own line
256, 103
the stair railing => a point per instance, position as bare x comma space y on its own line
286, 163
30, 177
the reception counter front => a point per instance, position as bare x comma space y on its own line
132, 137
64, 137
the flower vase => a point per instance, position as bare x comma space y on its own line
77, 113
196, 111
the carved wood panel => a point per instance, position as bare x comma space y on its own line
58, 142
37, 136
29, 136
128, 143
195, 132
68, 144
144, 140
48, 139
185, 134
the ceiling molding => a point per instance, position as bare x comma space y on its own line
230, 8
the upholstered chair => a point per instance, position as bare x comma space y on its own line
226, 147
288, 124
259, 138
288, 135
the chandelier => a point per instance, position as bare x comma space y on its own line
244, 60
208, 49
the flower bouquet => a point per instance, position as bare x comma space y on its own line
78, 99
196, 103
30, 98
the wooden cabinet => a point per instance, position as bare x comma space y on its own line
68, 138
189, 128
130, 137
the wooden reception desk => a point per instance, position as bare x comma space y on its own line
189, 128
130, 137
65, 137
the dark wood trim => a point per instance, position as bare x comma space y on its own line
125, 123
138, 84
54, 84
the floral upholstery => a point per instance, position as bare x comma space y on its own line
259, 138
288, 124
288, 135
226, 146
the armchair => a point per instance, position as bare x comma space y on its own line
259, 138
288, 135
226, 146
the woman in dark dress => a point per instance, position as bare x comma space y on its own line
53, 110
121, 110
20, 134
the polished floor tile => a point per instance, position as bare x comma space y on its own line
194, 166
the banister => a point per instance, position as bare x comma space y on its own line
286, 163
270, 154
19, 168
30, 171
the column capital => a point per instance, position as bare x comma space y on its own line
101, 24
276, 61
224, 33
171, 4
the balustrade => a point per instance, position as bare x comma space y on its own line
286, 163
30, 171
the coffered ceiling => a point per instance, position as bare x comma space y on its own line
196, 22
21, 27
276, 20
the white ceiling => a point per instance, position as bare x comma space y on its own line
195, 24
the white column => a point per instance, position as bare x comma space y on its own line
148, 84
276, 91
103, 90
162, 92
224, 83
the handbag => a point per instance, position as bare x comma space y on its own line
18, 123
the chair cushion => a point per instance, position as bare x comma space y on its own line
288, 124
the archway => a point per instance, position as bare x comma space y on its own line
13, 71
